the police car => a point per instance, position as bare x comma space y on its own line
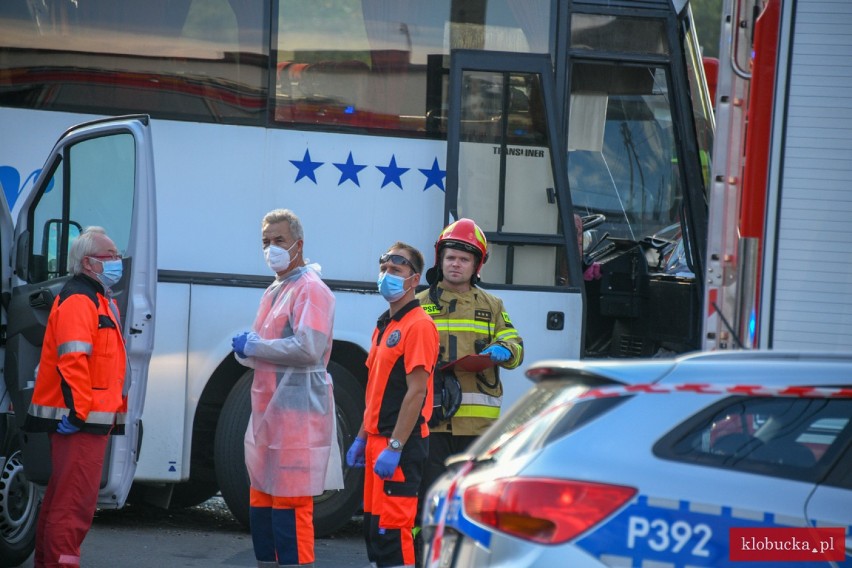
652, 463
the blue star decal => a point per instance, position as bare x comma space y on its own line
349, 171
306, 167
392, 173
434, 176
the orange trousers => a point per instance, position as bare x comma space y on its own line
282, 528
390, 506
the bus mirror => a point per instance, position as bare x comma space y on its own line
586, 121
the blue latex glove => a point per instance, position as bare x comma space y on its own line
387, 462
65, 427
355, 455
238, 342
498, 353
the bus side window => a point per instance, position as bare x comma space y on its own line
319, 88
378, 61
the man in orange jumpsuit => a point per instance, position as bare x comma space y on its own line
291, 440
393, 441
78, 397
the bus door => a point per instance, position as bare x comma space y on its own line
98, 174
506, 171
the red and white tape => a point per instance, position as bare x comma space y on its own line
705, 388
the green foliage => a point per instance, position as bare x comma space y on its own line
708, 22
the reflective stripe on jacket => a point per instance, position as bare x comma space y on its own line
83, 363
467, 323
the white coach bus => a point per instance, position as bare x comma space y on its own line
375, 121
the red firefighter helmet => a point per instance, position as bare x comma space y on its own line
463, 235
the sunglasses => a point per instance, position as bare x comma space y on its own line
396, 259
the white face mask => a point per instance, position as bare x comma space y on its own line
277, 258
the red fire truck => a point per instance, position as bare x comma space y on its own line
779, 266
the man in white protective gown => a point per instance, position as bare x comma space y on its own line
291, 440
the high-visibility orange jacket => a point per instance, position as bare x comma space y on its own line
83, 363
401, 343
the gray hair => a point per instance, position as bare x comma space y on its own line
282, 215
83, 246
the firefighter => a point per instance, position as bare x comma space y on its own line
469, 321
291, 440
393, 439
79, 396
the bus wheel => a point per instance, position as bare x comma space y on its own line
333, 509
19, 504
228, 450
192, 493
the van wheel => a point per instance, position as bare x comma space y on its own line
19, 505
332, 509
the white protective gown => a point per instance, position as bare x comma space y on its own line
291, 441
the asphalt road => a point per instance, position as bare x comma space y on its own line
206, 535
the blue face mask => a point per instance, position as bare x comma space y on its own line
111, 273
391, 286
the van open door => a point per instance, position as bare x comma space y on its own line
98, 174
506, 171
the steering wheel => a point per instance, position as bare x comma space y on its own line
592, 221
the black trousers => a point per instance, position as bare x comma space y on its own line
441, 446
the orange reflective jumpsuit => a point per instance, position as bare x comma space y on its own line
291, 432
80, 375
400, 344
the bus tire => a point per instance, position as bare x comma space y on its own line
192, 493
229, 452
19, 506
332, 509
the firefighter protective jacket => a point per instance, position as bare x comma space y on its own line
467, 323
83, 363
